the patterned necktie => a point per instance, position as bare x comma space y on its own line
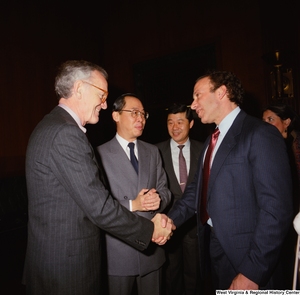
206, 170
133, 158
182, 169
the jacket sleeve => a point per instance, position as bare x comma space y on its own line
273, 194
186, 207
75, 166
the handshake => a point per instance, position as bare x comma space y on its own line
163, 228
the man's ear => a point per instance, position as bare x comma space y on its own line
222, 90
77, 88
191, 124
287, 122
116, 116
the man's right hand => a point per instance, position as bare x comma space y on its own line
163, 228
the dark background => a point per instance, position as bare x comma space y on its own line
154, 48
167, 42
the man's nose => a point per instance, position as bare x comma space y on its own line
193, 105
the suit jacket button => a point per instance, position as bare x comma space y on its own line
125, 197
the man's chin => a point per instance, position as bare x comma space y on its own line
203, 120
138, 134
94, 121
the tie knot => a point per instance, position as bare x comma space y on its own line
181, 146
216, 132
131, 145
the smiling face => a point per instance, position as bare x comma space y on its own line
205, 103
91, 98
179, 127
282, 125
128, 127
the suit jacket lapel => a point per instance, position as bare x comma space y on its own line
170, 169
116, 151
226, 146
144, 166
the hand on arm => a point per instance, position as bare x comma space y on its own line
163, 227
240, 282
146, 200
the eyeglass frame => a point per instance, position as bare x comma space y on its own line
135, 113
104, 96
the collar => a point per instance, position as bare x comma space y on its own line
228, 120
73, 115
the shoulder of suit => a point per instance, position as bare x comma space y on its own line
196, 142
106, 144
59, 121
246, 124
61, 114
253, 122
146, 145
163, 144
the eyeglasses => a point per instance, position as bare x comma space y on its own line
104, 95
135, 113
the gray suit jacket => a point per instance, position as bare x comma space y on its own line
67, 205
125, 184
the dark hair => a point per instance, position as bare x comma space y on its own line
235, 91
120, 102
284, 112
71, 71
181, 108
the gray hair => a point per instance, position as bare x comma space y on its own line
70, 72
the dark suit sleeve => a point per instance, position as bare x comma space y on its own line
186, 207
75, 167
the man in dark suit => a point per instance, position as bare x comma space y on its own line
249, 202
143, 191
182, 268
67, 202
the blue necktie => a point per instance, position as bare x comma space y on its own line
133, 158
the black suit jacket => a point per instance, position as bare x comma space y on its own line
165, 151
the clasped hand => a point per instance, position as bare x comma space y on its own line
146, 200
163, 228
